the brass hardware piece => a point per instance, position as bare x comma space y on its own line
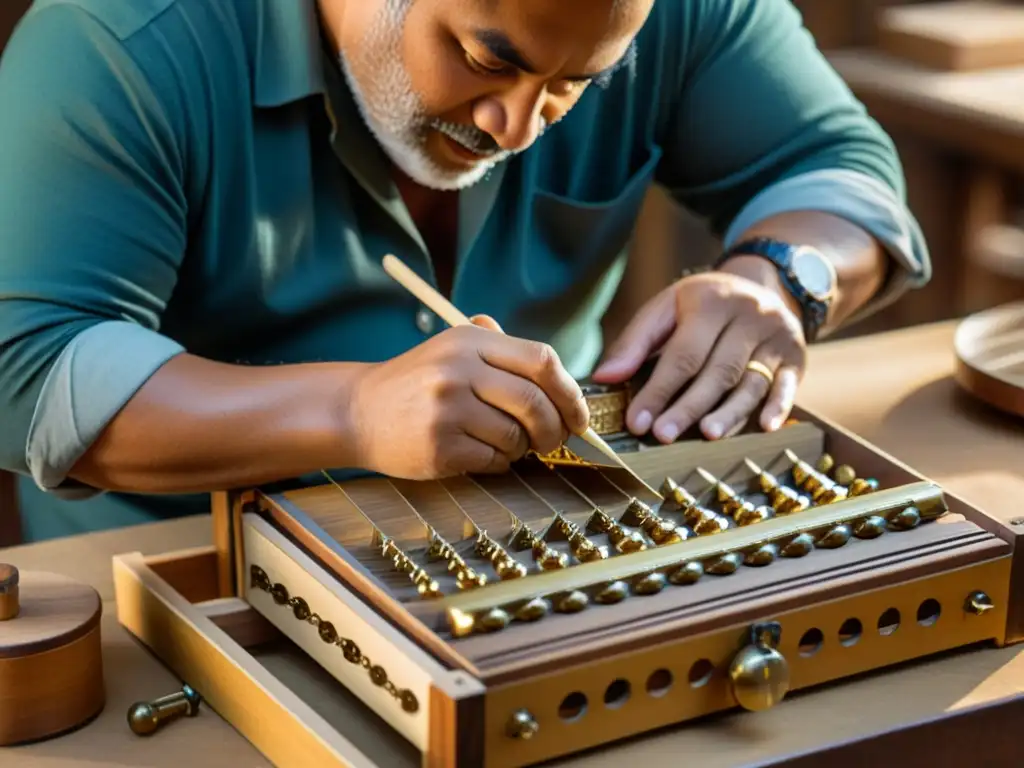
734, 505
465, 576
300, 608
702, 521
759, 673
660, 530
844, 474
783, 499
425, 584
9, 601
821, 488
606, 581
607, 408
978, 603
624, 539
521, 725
561, 456
145, 717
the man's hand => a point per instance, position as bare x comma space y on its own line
470, 399
708, 327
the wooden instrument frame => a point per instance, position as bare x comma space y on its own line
197, 612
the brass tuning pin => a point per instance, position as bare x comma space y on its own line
624, 539
821, 488
783, 499
660, 530
144, 718
740, 510
582, 548
702, 521
547, 558
845, 475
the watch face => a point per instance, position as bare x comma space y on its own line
815, 273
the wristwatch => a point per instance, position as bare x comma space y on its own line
804, 271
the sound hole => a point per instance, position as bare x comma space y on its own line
850, 632
811, 642
700, 673
659, 682
573, 707
928, 612
889, 622
617, 694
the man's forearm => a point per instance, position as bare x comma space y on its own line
860, 260
197, 426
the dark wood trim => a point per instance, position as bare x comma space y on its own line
11, 533
987, 735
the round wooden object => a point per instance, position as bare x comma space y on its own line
51, 667
990, 357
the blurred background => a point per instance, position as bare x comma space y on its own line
946, 80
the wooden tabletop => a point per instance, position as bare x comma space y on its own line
894, 389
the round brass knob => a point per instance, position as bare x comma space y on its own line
978, 603
521, 725
759, 673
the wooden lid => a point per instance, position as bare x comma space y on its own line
54, 611
990, 357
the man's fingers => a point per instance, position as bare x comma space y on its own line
524, 402
781, 399
496, 428
539, 363
645, 333
466, 454
723, 371
753, 388
682, 358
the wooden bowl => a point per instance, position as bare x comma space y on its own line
51, 667
990, 357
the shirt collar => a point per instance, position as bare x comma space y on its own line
289, 59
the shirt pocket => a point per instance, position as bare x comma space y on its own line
575, 242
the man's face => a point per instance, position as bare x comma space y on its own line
450, 88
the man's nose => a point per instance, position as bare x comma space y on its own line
512, 120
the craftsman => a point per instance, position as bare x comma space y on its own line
196, 196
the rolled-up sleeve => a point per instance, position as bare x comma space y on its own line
762, 124
92, 230
862, 200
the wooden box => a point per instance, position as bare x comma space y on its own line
570, 682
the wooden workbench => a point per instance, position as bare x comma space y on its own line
905, 402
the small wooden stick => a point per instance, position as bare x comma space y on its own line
451, 315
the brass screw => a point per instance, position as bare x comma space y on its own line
978, 603
522, 725
144, 718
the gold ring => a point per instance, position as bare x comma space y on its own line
762, 369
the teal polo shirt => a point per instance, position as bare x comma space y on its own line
172, 180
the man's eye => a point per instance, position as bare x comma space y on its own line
482, 68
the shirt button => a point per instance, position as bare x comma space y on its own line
425, 320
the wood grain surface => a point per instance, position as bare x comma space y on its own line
990, 357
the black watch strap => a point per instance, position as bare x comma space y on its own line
815, 311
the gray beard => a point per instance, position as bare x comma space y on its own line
395, 115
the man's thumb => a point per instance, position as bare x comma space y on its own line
486, 321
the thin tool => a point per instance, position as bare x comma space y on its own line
451, 315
